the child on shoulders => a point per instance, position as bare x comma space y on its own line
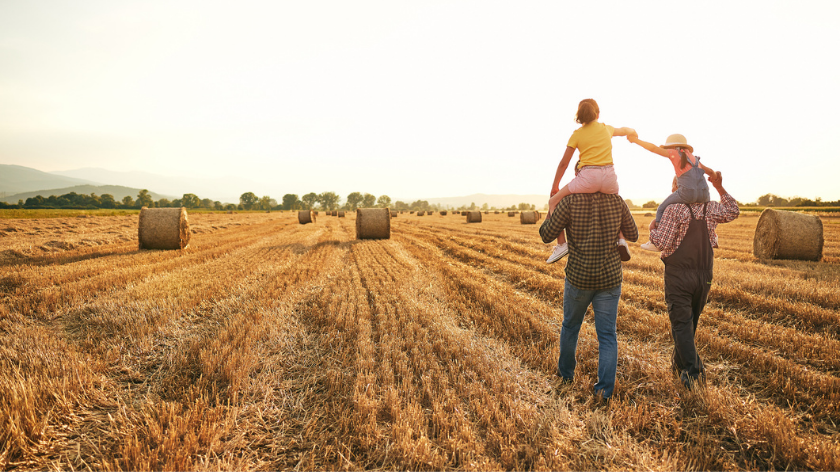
691, 186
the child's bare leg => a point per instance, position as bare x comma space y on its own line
552, 203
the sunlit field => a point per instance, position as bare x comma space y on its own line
271, 345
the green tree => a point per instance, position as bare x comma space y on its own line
248, 200
368, 201
163, 203
328, 200
353, 200
107, 201
144, 199
264, 203
217, 205
309, 200
190, 200
629, 203
401, 206
207, 203
290, 201
127, 202
384, 201
650, 204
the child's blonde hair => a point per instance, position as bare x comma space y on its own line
587, 111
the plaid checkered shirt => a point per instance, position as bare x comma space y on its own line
592, 222
674, 224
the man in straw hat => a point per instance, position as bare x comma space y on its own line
687, 237
592, 222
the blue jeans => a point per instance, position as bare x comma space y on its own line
605, 305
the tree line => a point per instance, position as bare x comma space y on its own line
247, 201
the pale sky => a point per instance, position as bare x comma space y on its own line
422, 99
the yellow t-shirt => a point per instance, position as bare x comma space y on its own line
594, 142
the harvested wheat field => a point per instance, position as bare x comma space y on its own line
271, 345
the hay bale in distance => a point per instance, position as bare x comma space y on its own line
305, 216
341, 214
511, 213
394, 213
373, 223
163, 228
473, 216
421, 213
528, 217
648, 214
443, 213
788, 235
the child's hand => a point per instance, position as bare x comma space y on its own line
652, 225
554, 191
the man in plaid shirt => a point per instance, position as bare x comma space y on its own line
592, 222
686, 236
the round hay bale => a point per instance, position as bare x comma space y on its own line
495, 212
305, 216
163, 228
341, 214
528, 218
394, 214
443, 213
421, 213
539, 215
373, 223
788, 235
334, 213
230, 212
473, 216
648, 214
511, 213
411, 212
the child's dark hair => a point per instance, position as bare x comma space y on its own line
683, 159
587, 111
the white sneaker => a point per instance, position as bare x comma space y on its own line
559, 252
649, 246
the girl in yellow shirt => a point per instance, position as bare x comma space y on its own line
594, 170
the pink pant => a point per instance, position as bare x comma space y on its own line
591, 179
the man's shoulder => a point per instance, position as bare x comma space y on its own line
597, 198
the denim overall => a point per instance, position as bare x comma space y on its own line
691, 188
688, 279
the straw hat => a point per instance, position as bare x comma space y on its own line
677, 140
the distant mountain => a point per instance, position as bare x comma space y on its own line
119, 192
498, 201
225, 190
19, 179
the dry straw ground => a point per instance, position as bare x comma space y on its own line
273, 345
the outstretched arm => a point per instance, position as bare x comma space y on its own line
708, 170
624, 132
561, 169
649, 146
